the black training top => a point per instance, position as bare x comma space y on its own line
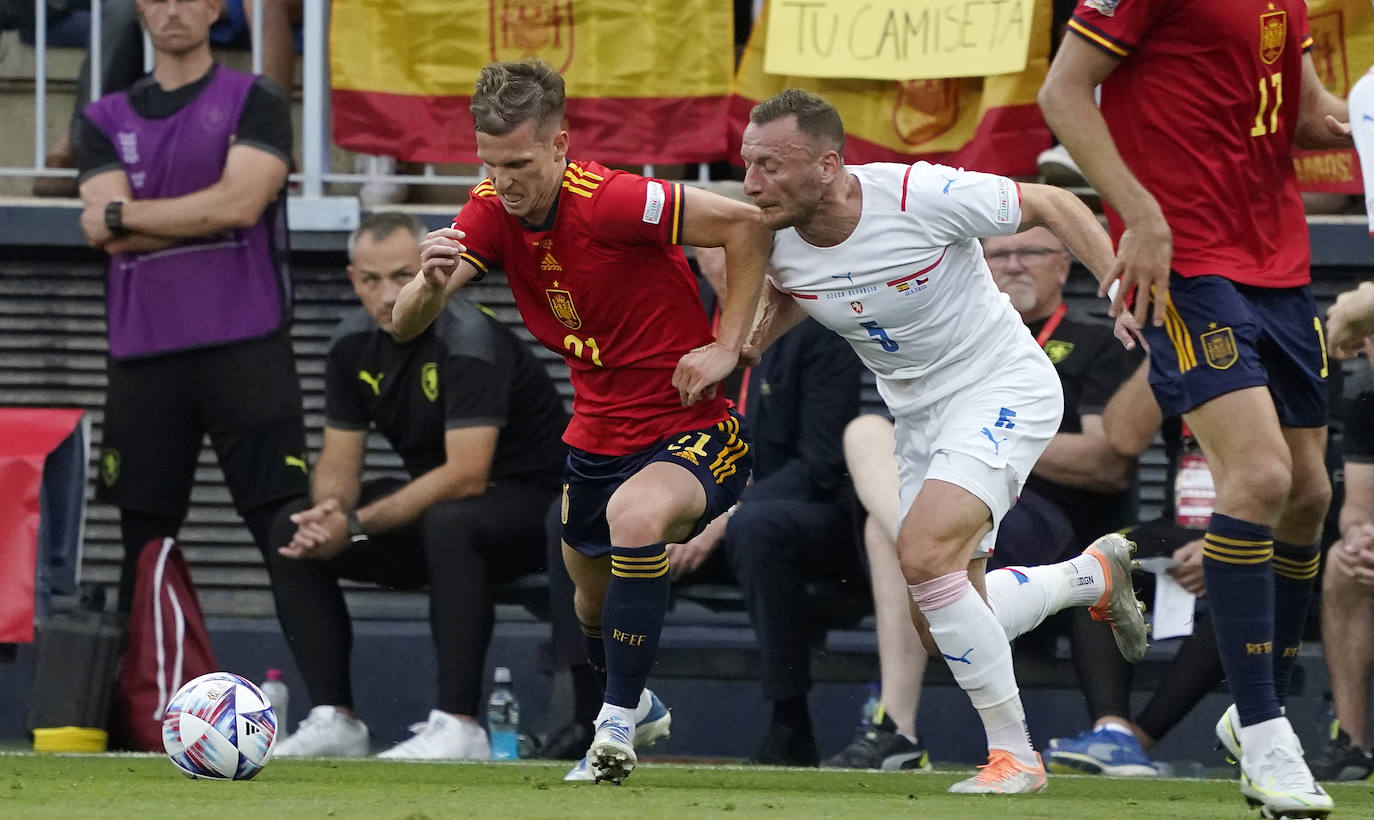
466, 370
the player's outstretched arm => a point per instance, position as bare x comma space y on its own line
1146, 246
1072, 221
442, 273
714, 221
1066, 215
1323, 118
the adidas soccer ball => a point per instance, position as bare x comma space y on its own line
219, 727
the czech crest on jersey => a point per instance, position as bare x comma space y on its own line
561, 302
857, 307
532, 28
1273, 35
1220, 348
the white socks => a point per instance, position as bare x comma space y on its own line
1022, 597
607, 710
979, 656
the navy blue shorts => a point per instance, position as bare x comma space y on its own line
718, 456
1220, 336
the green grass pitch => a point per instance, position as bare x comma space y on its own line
118, 786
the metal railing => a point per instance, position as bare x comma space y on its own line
310, 206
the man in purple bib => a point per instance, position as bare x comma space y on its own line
183, 181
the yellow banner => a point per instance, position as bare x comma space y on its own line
898, 39
603, 48
1342, 49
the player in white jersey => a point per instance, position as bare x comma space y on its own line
887, 256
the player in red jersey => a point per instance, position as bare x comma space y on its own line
1191, 150
593, 259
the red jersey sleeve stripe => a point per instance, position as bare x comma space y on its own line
1307, 41
1099, 38
675, 235
910, 276
905, 177
796, 295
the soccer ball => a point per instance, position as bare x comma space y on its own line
219, 727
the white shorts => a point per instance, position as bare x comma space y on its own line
984, 438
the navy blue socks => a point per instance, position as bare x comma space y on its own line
636, 601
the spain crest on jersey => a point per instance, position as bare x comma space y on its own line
429, 381
1273, 35
532, 28
561, 303
1219, 346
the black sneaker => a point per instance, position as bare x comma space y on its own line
881, 747
568, 743
788, 746
1342, 759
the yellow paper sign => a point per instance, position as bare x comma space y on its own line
897, 39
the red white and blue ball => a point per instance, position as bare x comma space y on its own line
219, 727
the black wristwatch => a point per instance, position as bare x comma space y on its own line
356, 535
114, 217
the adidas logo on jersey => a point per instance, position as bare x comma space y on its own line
550, 263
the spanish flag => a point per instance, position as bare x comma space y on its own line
1342, 50
648, 81
990, 124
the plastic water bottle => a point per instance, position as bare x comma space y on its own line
278, 696
503, 718
1194, 493
871, 705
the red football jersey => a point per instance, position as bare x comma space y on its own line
607, 287
1202, 107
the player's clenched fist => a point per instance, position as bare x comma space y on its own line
439, 256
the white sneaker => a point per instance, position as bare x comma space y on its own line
325, 732
612, 754
1058, 168
653, 722
377, 193
442, 737
581, 773
1278, 781
1228, 733
1004, 774
1118, 605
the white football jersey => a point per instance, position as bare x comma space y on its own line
909, 288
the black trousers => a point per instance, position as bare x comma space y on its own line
774, 548
459, 548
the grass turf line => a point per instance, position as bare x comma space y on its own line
107, 786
